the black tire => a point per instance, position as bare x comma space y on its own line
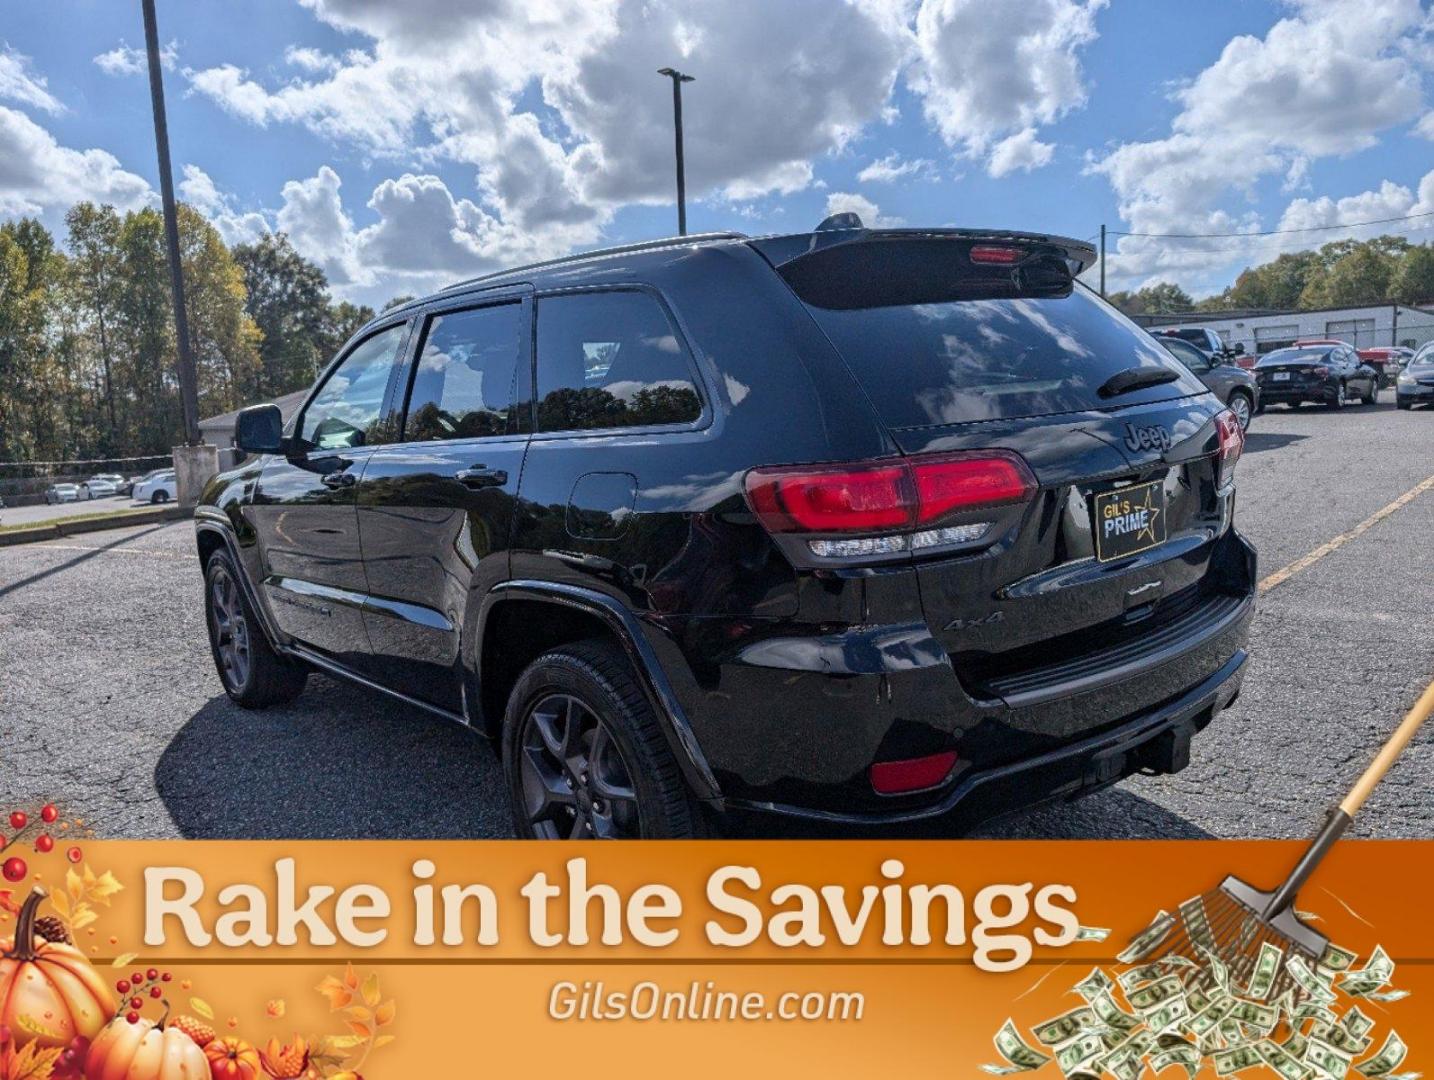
1341, 395
1404, 404
1295, 405
160, 496
570, 712
253, 674
1372, 397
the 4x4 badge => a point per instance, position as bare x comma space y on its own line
1152, 437
959, 623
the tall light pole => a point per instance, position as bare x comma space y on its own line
188, 380
677, 80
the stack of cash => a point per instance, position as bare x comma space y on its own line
1192, 1012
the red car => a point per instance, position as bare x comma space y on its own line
1387, 360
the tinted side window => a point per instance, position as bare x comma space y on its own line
1188, 354
611, 359
463, 383
347, 411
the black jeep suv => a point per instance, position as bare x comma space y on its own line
853, 529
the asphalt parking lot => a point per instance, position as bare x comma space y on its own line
109, 702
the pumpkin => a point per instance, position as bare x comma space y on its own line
49, 993
232, 1059
144, 1050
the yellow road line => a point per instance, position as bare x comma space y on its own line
1306, 561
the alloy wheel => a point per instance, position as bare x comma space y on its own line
1240, 406
230, 629
576, 784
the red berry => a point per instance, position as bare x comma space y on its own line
18, 820
74, 854
137, 978
122, 986
48, 814
136, 1003
152, 974
132, 1017
44, 844
14, 869
166, 977
155, 991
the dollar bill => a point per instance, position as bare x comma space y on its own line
1197, 923
1168, 1015
1197, 998
1313, 1010
1079, 1052
1387, 995
1375, 974
1208, 1019
1267, 966
1067, 1026
1236, 1059
1259, 1016
1336, 959
1112, 1015
1019, 1056
1308, 981
1186, 1056
1296, 1044
1329, 1060
1149, 939
1092, 933
1391, 1055
1282, 1061
1217, 970
1144, 973
1094, 984
1340, 1037
1153, 995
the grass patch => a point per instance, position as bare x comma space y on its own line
70, 519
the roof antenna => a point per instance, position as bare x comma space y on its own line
845, 220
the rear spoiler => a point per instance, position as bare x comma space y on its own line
783, 250
844, 268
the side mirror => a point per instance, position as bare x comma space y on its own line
259, 429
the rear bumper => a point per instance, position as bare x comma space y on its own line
1155, 742
1277, 394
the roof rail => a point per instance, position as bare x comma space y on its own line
624, 249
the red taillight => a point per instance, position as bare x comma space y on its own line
886, 496
1320, 372
1232, 444
998, 256
913, 774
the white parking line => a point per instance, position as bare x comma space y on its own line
117, 551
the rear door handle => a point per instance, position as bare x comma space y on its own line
480, 477
338, 479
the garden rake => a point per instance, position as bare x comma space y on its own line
1231, 923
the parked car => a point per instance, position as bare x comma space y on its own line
1328, 374
931, 530
62, 493
1202, 337
1236, 387
101, 486
1415, 385
158, 487
1387, 360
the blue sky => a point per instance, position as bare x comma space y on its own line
403, 146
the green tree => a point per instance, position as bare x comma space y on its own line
225, 339
1413, 282
288, 299
1361, 275
344, 320
397, 301
93, 291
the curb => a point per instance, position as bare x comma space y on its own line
54, 530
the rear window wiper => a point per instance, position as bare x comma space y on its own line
1136, 378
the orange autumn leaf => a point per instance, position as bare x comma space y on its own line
351, 977
31, 1062
276, 1008
371, 992
385, 1013
363, 1031
339, 995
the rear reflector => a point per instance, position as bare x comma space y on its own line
887, 496
913, 774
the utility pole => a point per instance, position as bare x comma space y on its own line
1102, 259
677, 80
188, 380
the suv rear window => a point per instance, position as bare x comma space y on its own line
994, 359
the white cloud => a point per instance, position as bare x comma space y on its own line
124, 60
19, 83
1021, 151
847, 202
893, 167
311, 59
234, 225
989, 73
37, 174
1425, 127
1323, 81
1389, 200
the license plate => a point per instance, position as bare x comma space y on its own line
1281, 376
1129, 521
